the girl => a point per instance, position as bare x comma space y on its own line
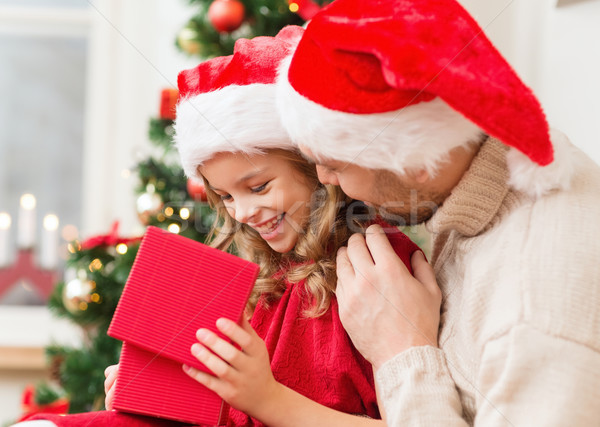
293, 364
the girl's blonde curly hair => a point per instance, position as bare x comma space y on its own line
313, 257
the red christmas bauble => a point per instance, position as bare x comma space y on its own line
226, 15
196, 190
168, 101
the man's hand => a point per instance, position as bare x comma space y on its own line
382, 306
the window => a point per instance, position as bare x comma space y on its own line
43, 52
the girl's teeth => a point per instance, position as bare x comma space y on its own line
269, 225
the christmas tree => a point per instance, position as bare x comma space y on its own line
98, 267
219, 23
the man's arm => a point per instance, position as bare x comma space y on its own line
526, 377
417, 390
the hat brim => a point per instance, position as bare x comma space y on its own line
232, 119
418, 136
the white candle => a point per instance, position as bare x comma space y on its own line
4, 238
49, 245
26, 234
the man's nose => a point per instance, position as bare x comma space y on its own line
326, 176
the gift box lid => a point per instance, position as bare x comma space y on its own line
176, 286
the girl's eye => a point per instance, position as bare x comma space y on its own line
226, 197
260, 188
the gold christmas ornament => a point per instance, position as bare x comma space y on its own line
77, 293
148, 204
187, 39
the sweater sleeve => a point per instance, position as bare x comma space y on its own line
526, 377
417, 390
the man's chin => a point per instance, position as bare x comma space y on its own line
401, 218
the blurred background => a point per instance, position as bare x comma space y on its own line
85, 92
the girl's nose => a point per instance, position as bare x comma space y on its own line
244, 211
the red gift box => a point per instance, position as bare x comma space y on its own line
175, 287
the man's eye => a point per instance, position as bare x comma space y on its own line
260, 188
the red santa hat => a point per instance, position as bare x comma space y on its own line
397, 84
227, 104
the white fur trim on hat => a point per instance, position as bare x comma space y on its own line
232, 119
415, 137
536, 180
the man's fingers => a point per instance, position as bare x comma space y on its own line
345, 271
380, 247
358, 253
423, 271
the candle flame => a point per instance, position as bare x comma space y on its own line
4, 221
28, 201
51, 222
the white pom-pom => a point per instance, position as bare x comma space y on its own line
536, 180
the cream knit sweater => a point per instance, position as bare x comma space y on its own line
520, 326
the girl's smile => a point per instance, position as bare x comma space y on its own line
264, 191
269, 229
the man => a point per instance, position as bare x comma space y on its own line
406, 105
